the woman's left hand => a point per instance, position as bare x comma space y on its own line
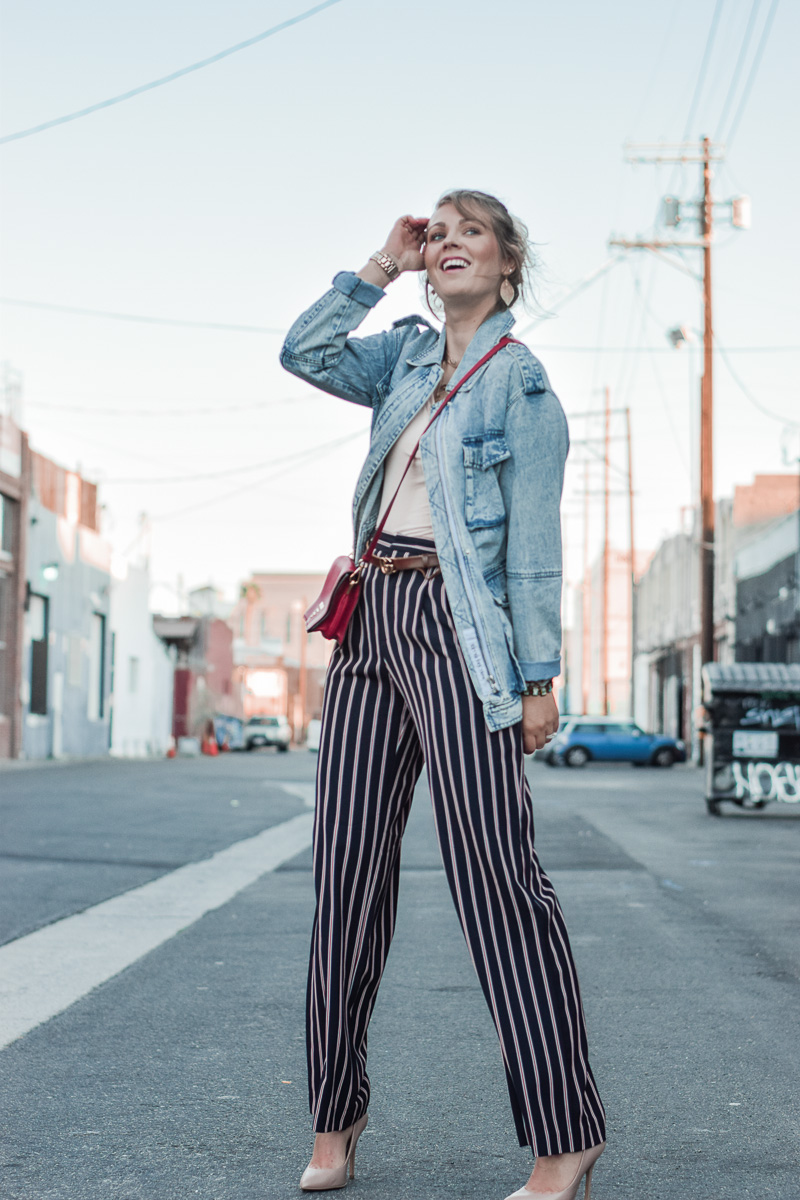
539, 721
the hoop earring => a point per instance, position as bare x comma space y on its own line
434, 300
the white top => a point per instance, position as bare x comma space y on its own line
411, 513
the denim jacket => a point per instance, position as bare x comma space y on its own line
493, 462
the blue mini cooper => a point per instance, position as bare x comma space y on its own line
607, 739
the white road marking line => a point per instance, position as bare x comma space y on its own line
307, 792
45, 972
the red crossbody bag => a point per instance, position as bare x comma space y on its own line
331, 611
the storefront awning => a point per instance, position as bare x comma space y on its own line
756, 677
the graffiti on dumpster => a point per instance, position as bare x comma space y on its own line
774, 718
767, 781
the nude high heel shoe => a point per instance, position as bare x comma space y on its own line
585, 1167
324, 1179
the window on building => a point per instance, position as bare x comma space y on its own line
38, 626
97, 649
133, 674
288, 627
263, 627
8, 513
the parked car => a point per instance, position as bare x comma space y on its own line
267, 731
312, 735
605, 739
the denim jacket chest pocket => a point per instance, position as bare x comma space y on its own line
483, 499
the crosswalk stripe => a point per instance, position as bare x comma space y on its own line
45, 972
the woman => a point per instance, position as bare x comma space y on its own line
448, 661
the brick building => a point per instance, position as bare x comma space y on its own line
281, 667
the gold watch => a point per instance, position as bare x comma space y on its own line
387, 263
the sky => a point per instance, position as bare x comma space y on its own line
234, 194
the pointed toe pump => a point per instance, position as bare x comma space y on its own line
585, 1167
325, 1179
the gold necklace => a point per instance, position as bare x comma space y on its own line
441, 387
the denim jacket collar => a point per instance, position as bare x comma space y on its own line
485, 336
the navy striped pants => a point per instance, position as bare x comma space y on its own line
397, 695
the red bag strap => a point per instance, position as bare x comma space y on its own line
506, 341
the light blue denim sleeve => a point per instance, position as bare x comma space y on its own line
532, 480
318, 349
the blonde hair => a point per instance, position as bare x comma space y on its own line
511, 233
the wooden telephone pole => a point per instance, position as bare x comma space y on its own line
632, 544
707, 426
592, 445
706, 153
606, 542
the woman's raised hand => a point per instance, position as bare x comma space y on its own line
405, 241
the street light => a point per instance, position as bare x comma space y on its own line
679, 336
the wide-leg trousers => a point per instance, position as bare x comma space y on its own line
398, 695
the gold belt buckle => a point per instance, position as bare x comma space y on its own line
386, 565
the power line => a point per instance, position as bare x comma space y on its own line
317, 452
748, 394
146, 87
121, 316
712, 33
748, 33
584, 283
221, 409
648, 312
227, 326
748, 87
259, 466
678, 168
675, 11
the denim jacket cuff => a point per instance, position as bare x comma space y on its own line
540, 670
352, 285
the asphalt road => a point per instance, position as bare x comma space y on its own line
183, 1074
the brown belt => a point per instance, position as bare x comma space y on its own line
429, 563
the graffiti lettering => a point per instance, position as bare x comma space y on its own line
767, 781
774, 718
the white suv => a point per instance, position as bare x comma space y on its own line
267, 731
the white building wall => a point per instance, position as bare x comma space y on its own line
143, 670
643, 713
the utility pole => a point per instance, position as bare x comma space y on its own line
633, 560
303, 668
585, 591
606, 522
707, 426
705, 153
599, 634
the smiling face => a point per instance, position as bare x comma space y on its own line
463, 259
